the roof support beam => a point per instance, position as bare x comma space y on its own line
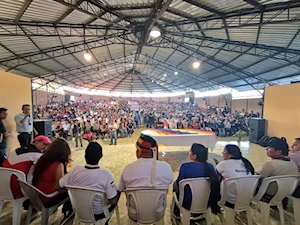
241, 18
202, 6
22, 10
77, 7
63, 16
253, 3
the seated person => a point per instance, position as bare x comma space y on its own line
295, 155
24, 159
92, 176
234, 165
197, 168
146, 172
49, 169
280, 164
129, 127
160, 124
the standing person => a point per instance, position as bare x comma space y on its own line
113, 127
146, 172
24, 124
76, 132
137, 119
66, 127
3, 133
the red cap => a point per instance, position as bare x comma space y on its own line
43, 138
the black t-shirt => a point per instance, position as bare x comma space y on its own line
2, 131
180, 125
130, 125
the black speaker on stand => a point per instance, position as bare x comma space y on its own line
43, 127
257, 129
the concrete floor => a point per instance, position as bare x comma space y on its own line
117, 157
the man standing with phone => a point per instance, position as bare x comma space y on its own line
24, 123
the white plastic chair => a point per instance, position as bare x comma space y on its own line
245, 190
7, 195
286, 185
296, 206
200, 188
34, 195
82, 202
146, 202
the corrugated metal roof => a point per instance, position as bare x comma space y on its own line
245, 57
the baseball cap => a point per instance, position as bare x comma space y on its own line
279, 144
43, 138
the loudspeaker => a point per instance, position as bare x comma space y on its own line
43, 127
257, 128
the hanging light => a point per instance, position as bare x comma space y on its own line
165, 74
176, 73
196, 64
87, 56
155, 32
152, 81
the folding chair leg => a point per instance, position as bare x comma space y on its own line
29, 214
117, 214
249, 217
186, 215
161, 221
208, 217
75, 221
296, 204
45, 216
230, 216
281, 214
17, 210
1, 206
265, 213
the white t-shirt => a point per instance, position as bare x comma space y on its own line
228, 169
91, 178
138, 174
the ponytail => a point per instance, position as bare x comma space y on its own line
236, 154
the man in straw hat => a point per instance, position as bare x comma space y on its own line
146, 172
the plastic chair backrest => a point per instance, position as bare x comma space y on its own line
5, 180
82, 202
34, 194
146, 201
286, 185
200, 188
245, 189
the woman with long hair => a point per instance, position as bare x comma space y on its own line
49, 169
233, 165
197, 168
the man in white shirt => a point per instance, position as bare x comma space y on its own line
66, 128
147, 171
24, 123
92, 176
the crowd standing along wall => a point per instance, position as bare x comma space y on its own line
41, 98
282, 111
15, 91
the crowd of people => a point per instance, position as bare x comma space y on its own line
45, 163
118, 119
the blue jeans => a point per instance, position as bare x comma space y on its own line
113, 136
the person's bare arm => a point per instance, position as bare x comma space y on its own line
59, 173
